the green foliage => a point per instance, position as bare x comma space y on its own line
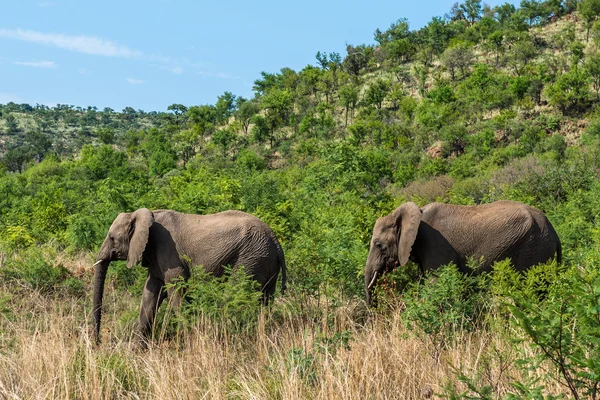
558, 313
445, 304
33, 269
231, 300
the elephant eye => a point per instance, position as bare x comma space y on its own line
379, 245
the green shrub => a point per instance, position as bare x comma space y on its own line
558, 314
445, 304
31, 268
232, 300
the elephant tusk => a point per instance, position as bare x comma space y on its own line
372, 281
97, 262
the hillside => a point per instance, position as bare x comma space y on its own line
480, 105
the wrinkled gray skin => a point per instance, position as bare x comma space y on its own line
439, 234
164, 240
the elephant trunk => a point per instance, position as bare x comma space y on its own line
101, 267
99, 278
371, 275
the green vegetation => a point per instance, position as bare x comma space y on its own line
481, 105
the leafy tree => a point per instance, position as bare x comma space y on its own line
245, 110
472, 10
532, 10
459, 57
570, 92
278, 106
438, 36
106, 135
377, 92
349, 98
186, 143
12, 126
224, 138
504, 13
38, 144
180, 112
589, 10
15, 159
356, 60
268, 81
224, 107
592, 68
495, 42
520, 54
203, 118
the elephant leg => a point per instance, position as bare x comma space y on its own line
269, 289
175, 294
151, 299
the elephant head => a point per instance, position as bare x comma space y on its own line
393, 237
126, 240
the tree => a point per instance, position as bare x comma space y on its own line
521, 53
224, 107
180, 112
459, 57
15, 158
349, 98
495, 43
356, 60
245, 110
377, 92
437, 36
278, 106
202, 118
224, 138
38, 144
472, 10
504, 13
589, 10
570, 92
456, 13
531, 9
592, 67
106, 135
12, 126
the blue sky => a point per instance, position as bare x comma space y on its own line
150, 54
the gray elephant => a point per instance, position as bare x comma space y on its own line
167, 242
439, 234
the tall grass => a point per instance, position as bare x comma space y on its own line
46, 351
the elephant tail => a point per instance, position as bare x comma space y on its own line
282, 265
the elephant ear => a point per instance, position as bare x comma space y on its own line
408, 218
139, 230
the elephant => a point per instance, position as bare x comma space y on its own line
168, 243
439, 234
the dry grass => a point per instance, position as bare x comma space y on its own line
46, 352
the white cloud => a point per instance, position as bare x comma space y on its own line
81, 44
37, 64
134, 81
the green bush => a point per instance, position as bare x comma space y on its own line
32, 268
232, 301
447, 303
558, 314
